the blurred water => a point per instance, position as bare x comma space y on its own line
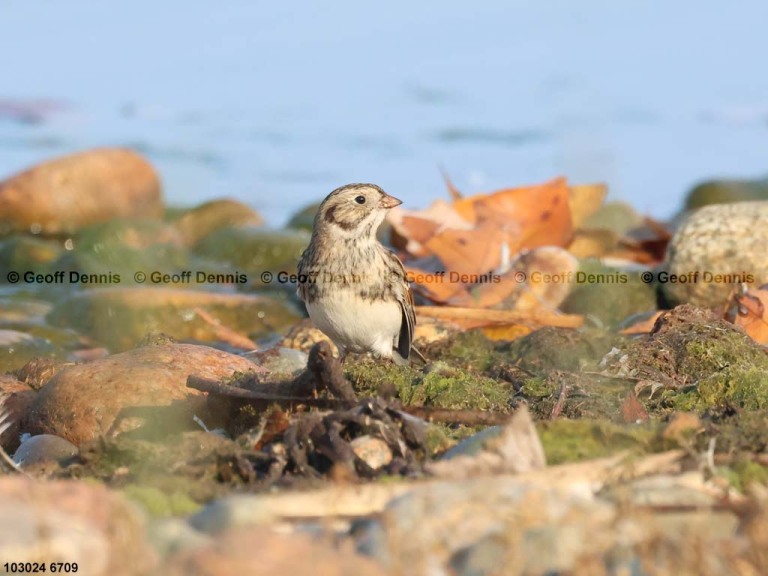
278, 103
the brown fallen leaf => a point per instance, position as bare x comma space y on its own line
632, 410
749, 310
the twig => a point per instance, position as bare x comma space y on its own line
539, 317
226, 334
557, 409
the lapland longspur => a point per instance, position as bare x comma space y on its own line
355, 289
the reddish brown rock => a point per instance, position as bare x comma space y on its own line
72, 522
67, 193
233, 553
83, 401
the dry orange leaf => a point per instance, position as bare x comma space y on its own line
749, 309
506, 331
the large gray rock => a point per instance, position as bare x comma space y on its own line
715, 249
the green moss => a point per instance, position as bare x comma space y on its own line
460, 390
470, 350
747, 472
160, 504
537, 388
438, 439
703, 364
745, 388
574, 440
441, 387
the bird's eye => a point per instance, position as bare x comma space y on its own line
360, 199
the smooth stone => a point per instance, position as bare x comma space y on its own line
714, 250
256, 250
373, 451
171, 535
17, 348
72, 522
28, 254
44, 448
83, 401
124, 247
604, 295
259, 551
617, 217
67, 193
120, 318
304, 219
197, 223
726, 191
474, 444
428, 526
280, 360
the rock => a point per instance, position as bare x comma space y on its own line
121, 317
199, 222
256, 250
83, 401
234, 554
123, 247
435, 525
617, 217
371, 450
15, 399
714, 250
280, 360
726, 191
72, 522
67, 193
44, 448
171, 535
609, 294
28, 253
18, 348
304, 219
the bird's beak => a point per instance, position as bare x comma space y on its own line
388, 201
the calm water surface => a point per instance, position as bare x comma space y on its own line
277, 103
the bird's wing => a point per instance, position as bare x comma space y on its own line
404, 296
302, 288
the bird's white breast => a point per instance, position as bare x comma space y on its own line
357, 325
